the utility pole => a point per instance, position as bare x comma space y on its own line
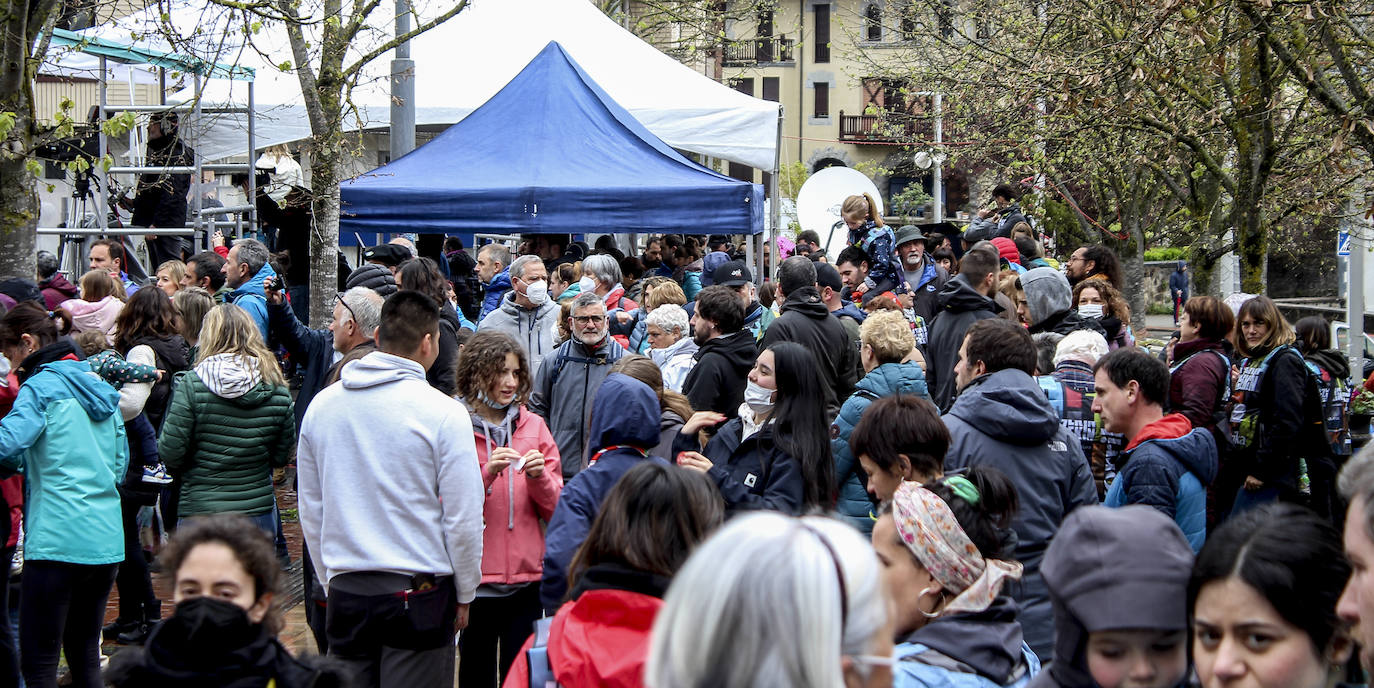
402, 88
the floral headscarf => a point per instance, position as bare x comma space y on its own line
932, 533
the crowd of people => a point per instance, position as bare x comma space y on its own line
925, 461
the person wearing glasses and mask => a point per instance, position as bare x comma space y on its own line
569, 377
527, 312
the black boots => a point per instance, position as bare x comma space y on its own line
137, 632
120, 626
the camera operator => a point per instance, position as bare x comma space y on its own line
160, 200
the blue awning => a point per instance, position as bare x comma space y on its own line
550, 153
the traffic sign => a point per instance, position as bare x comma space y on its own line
1342, 243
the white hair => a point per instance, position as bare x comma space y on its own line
1084, 346
759, 605
602, 268
669, 317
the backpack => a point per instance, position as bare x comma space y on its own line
565, 355
1221, 413
541, 670
1332, 393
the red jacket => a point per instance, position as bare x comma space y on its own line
601, 639
13, 486
517, 507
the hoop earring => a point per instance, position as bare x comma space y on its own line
928, 615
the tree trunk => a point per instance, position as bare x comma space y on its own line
1133, 269
20, 23
324, 240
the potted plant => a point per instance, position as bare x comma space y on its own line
1361, 408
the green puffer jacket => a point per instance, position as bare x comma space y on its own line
224, 438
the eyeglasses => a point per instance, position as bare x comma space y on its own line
353, 316
589, 319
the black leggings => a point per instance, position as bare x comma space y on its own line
135, 586
508, 619
62, 606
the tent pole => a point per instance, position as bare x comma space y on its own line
776, 205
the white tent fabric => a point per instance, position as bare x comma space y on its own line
462, 63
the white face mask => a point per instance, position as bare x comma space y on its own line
537, 292
586, 285
1090, 310
759, 398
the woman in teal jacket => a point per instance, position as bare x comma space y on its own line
229, 423
885, 340
67, 438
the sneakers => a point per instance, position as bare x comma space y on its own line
156, 475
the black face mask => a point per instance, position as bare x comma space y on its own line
206, 622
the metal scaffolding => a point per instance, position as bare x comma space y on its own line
203, 221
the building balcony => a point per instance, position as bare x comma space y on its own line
882, 128
756, 51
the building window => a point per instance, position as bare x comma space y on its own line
743, 85
908, 23
822, 100
873, 23
822, 32
770, 89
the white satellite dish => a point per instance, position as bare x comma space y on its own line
819, 201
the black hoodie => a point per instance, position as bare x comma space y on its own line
807, 321
958, 305
717, 381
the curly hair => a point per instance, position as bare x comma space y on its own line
888, 334
148, 314
483, 358
250, 545
1116, 303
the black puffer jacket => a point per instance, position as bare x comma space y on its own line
806, 320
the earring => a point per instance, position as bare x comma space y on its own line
928, 615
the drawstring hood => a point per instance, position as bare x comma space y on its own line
498, 436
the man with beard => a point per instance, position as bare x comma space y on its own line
1094, 262
569, 377
725, 355
924, 278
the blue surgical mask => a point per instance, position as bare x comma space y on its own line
482, 397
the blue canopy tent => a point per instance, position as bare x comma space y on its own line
550, 153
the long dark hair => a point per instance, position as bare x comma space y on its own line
650, 521
149, 314
1290, 556
801, 426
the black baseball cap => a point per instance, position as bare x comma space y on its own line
733, 274
828, 276
389, 255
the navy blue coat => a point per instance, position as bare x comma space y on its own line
751, 473
313, 350
1170, 471
625, 414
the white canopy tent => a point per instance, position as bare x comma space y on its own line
460, 65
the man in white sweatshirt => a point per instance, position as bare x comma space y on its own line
390, 502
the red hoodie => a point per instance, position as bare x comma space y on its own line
599, 639
13, 486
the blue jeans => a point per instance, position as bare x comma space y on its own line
267, 522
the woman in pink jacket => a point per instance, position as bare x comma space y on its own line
522, 476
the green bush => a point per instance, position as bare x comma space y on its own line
1159, 309
1165, 253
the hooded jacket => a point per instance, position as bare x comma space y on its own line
676, 361
1168, 466
1050, 299
624, 426
931, 278
495, 291
807, 321
94, 315
1112, 569
980, 650
226, 429
1003, 420
66, 436
888, 379
756, 319
716, 382
960, 305
57, 289
388, 477
535, 329
1178, 281
600, 639
250, 297
516, 506
751, 472
564, 390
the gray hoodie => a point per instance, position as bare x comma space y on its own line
535, 329
1112, 569
388, 475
